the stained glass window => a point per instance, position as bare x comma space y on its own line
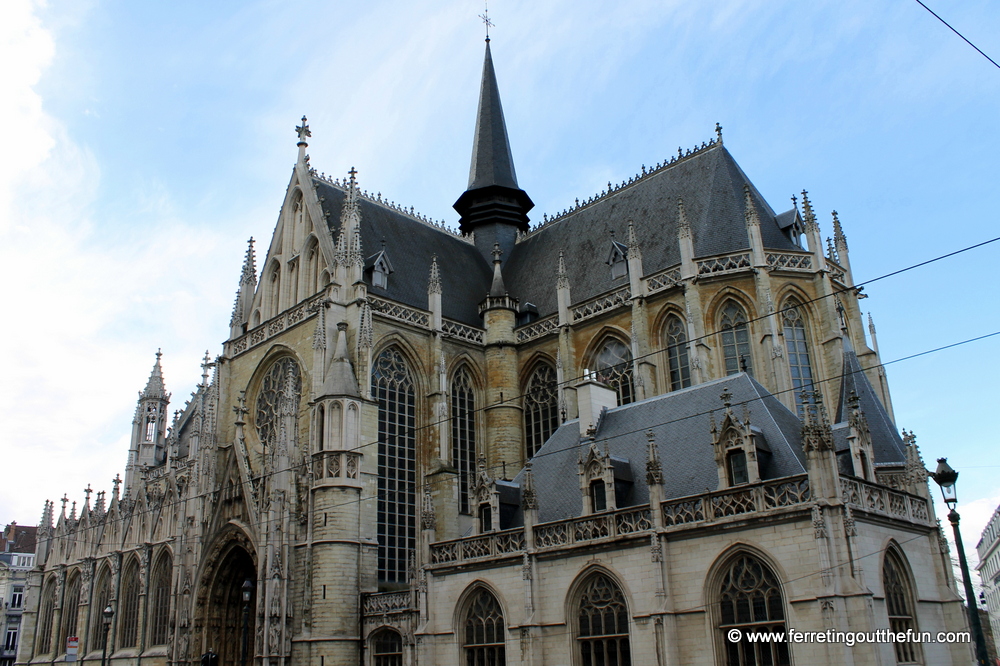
614, 368
159, 617
603, 624
393, 388
541, 408
675, 341
899, 603
798, 354
70, 608
387, 648
272, 391
463, 433
484, 631
102, 595
45, 618
128, 607
750, 600
735, 339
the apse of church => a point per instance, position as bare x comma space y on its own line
576, 441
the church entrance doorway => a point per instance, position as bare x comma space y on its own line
225, 609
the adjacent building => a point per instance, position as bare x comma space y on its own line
624, 435
17, 557
989, 572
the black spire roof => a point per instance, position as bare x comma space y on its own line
493, 195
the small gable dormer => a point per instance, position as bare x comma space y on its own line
496, 501
740, 449
617, 260
605, 481
379, 268
791, 225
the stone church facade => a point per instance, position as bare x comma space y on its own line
610, 438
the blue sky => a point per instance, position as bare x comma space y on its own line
141, 144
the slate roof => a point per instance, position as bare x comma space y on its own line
681, 422
492, 163
711, 184
409, 245
887, 445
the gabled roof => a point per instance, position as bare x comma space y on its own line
465, 275
711, 185
681, 423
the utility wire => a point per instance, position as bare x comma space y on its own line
959, 34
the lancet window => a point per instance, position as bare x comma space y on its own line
393, 388
159, 615
614, 367
675, 342
282, 381
899, 603
70, 608
128, 607
45, 613
750, 600
735, 339
603, 624
387, 648
541, 408
463, 433
485, 632
798, 353
98, 602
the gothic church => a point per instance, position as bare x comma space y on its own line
620, 436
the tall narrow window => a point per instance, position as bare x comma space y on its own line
598, 498
899, 603
45, 613
463, 433
675, 341
750, 600
387, 648
541, 408
735, 339
393, 388
150, 422
614, 367
798, 353
128, 607
736, 466
98, 602
603, 624
70, 608
484, 631
159, 615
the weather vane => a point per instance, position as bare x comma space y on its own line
486, 19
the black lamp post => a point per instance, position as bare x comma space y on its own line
108, 614
945, 477
247, 592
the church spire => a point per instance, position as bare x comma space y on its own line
154, 387
493, 196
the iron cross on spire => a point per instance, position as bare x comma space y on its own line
486, 19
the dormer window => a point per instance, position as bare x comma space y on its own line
380, 268
598, 496
618, 260
736, 467
485, 518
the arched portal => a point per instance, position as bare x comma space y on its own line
224, 611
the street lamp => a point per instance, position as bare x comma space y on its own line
108, 614
247, 592
945, 477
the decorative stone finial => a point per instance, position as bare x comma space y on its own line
808, 216
303, 132
117, 481
718, 132
86, 493
497, 252
65, 501
749, 210
485, 16
838, 233
434, 280
726, 397
654, 471
240, 408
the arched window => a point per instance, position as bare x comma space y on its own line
614, 367
283, 376
463, 433
750, 600
98, 602
541, 408
675, 342
735, 339
798, 353
485, 632
899, 604
45, 613
70, 609
128, 607
159, 592
387, 648
274, 291
393, 388
603, 624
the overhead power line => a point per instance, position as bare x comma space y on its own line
959, 34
